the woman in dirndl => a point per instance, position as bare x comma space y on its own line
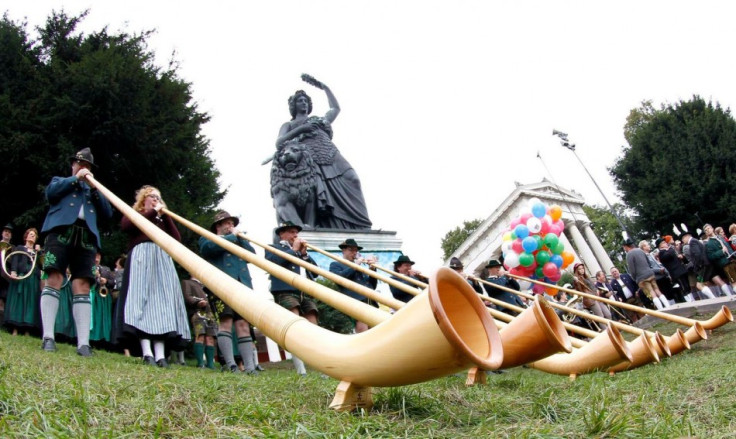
22, 308
150, 307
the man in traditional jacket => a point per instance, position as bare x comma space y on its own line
225, 226
72, 241
496, 278
350, 250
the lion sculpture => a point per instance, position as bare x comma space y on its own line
294, 183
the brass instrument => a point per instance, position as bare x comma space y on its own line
5, 257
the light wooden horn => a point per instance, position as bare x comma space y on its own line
720, 318
607, 349
642, 352
677, 342
439, 333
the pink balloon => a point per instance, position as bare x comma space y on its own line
560, 225
525, 217
538, 289
545, 225
556, 277
514, 222
516, 246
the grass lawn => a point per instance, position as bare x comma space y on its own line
63, 395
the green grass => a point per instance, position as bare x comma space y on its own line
63, 395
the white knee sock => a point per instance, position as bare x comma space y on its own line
49, 309
707, 293
146, 347
726, 291
298, 365
158, 350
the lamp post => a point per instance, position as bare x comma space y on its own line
565, 142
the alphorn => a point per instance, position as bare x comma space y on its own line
535, 334
661, 344
442, 332
720, 318
664, 345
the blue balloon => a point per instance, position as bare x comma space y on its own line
530, 244
557, 260
521, 231
539, 210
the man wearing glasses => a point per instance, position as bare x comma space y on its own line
72, 241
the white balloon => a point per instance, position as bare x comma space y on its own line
511, 259
534, 225
525, 285
507, 246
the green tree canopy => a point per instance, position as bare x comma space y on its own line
679, 163
454, 238
65, 90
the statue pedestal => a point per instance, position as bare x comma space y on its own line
384, 245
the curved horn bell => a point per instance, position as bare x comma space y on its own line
607, 349
444, 331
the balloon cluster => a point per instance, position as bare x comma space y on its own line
532, 247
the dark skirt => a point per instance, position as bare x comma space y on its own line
23, 304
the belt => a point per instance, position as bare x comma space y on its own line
80, 223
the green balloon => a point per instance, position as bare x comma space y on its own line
526, 259
558, 249
551, 240
543, 257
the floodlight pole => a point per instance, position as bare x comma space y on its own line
571, 146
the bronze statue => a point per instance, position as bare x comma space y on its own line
311, 182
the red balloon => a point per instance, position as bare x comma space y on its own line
550, 269
545, 226
517, 247
525, 217
560, 225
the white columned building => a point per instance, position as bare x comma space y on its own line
485, 243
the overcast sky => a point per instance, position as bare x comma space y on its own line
444, 104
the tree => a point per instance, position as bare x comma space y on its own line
65, 91
455, 238
678, 165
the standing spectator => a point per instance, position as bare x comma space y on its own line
288, 241
730, 268
22, 313
698, 263
71, 242
204, 324
225, 226
457, 265
717, 255
638, 266
732, 238
672, 262
101, 301
585, 285
403, 265
7, 246
350, 250
151, 306
661, 276
497, 278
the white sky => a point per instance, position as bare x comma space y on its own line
444, 104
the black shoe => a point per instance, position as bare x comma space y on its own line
149, 360
253, 372
84, 351
234, 369
48, 345
182, 363
163, 363
259, 368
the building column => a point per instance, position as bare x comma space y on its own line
586, 254
600, 252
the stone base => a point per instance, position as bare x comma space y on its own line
384, 245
